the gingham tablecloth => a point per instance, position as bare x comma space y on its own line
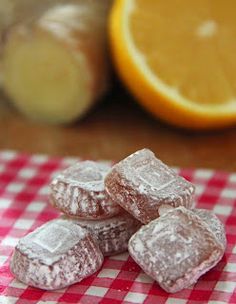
23, 207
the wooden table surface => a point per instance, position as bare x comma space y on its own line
114, 129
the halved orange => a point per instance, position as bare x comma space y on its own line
178, 57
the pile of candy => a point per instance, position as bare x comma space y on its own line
139, 204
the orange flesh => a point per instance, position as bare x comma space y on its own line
193, 46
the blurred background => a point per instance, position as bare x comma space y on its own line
62, 93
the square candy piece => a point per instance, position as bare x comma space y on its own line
112, 234
55, 255
176, 249
80, 191
141, 184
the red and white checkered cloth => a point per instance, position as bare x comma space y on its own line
23, 207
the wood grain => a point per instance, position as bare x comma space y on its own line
114, 129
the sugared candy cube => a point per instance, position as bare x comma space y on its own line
141, 183
112, 234
176, 249
79, 191
55, 255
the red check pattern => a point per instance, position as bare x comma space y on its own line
23, 207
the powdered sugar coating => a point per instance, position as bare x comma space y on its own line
141, 184
79, 191
112, 234
214, 224
51, 240
176, 249
164, 208
55, 255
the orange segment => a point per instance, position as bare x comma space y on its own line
178, 58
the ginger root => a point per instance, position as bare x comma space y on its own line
55, 66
